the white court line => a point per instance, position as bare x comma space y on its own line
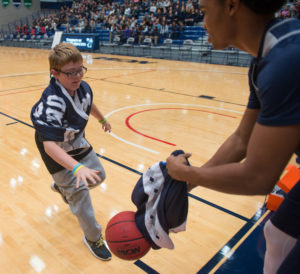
159, 104
133, 144
23, 74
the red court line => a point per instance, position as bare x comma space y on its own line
159, 140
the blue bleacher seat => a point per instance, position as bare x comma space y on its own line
178, 42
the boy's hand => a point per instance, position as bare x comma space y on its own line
106, 126
85, 174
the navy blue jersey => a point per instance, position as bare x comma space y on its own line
60, 118
162, 205
274, 76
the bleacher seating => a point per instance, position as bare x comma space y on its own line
103, 34
184, 42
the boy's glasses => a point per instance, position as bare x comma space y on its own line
73, 74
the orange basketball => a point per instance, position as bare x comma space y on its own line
124, 238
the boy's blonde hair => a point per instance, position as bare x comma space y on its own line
63, 54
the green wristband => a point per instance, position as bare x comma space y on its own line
103, 121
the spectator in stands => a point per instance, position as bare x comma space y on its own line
144, 31
164, 30
181, 28
136, 11
145, 6
82, 24
198, 17
167, 4
285, 12
155, 33
132, 23
43, 29
189, 4
298, 9
189, 16
153, 7
33, 32
176, 11
127, 11
138, 34
182, 13
159, 4
196, 4
112, 32
93, 25
87, 28
125, 33
175, 31
170, 17
18, 30
53, 27
68, 28
38, 29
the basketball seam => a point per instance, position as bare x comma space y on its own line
119, 222
126, 240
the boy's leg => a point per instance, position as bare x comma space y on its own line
81, 206
79, 202
79, 198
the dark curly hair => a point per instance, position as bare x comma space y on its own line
264, 6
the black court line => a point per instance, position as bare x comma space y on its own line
232, 242
119, 164
124, 60
9, 124
206, 97
145, 267
4, 90
166, 91
15, 119
220, 208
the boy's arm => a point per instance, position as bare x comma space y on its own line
97, 113
65, 160
59, 155
100, 117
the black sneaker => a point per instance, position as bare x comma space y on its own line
55, 188
98, 248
